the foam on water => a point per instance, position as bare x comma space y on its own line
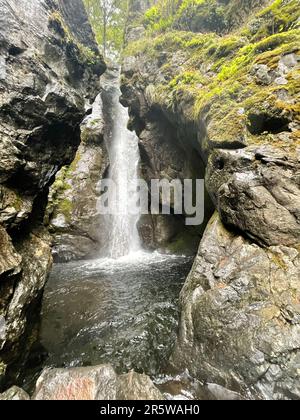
133, 260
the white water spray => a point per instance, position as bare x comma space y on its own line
123, 149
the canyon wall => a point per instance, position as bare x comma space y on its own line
49, 77
227, 103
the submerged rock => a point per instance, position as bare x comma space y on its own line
240, 321
94, 383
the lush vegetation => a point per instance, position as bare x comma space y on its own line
213, 71
108, 19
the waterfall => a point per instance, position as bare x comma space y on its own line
124, 157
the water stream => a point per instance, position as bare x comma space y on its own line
124, 156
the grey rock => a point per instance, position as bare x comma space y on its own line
94, 383
134, 386
2, 331
72, 215
262, 74
2, 68
73, 12
90, 383
14, 394
240, 322
255, 190
220, 393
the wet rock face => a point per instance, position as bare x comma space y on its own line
257, 190
48, 76
240, 322
73, 12
72, 215
94, 383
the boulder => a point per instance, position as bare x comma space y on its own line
10, 260
219, 393
14, 394
134, 386
94, 383
240, 321
256, 190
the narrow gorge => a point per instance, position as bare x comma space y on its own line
141, 305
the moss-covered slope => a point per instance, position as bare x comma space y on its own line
244, 83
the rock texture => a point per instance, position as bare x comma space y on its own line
230, 103
240, 323
95, 384
49, 75
72, 215
14, 394
168, 151
256, 190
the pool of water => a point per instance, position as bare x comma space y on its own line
124, 312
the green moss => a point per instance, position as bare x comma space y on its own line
216, 80
279, 16
274, 41
65, 207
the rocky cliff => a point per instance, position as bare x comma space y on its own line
72, 216
49, 73
227, 93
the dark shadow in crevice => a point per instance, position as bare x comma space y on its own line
264, 123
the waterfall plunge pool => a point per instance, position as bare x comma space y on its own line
123, 312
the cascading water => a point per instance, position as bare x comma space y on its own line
124, 156
115, 310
